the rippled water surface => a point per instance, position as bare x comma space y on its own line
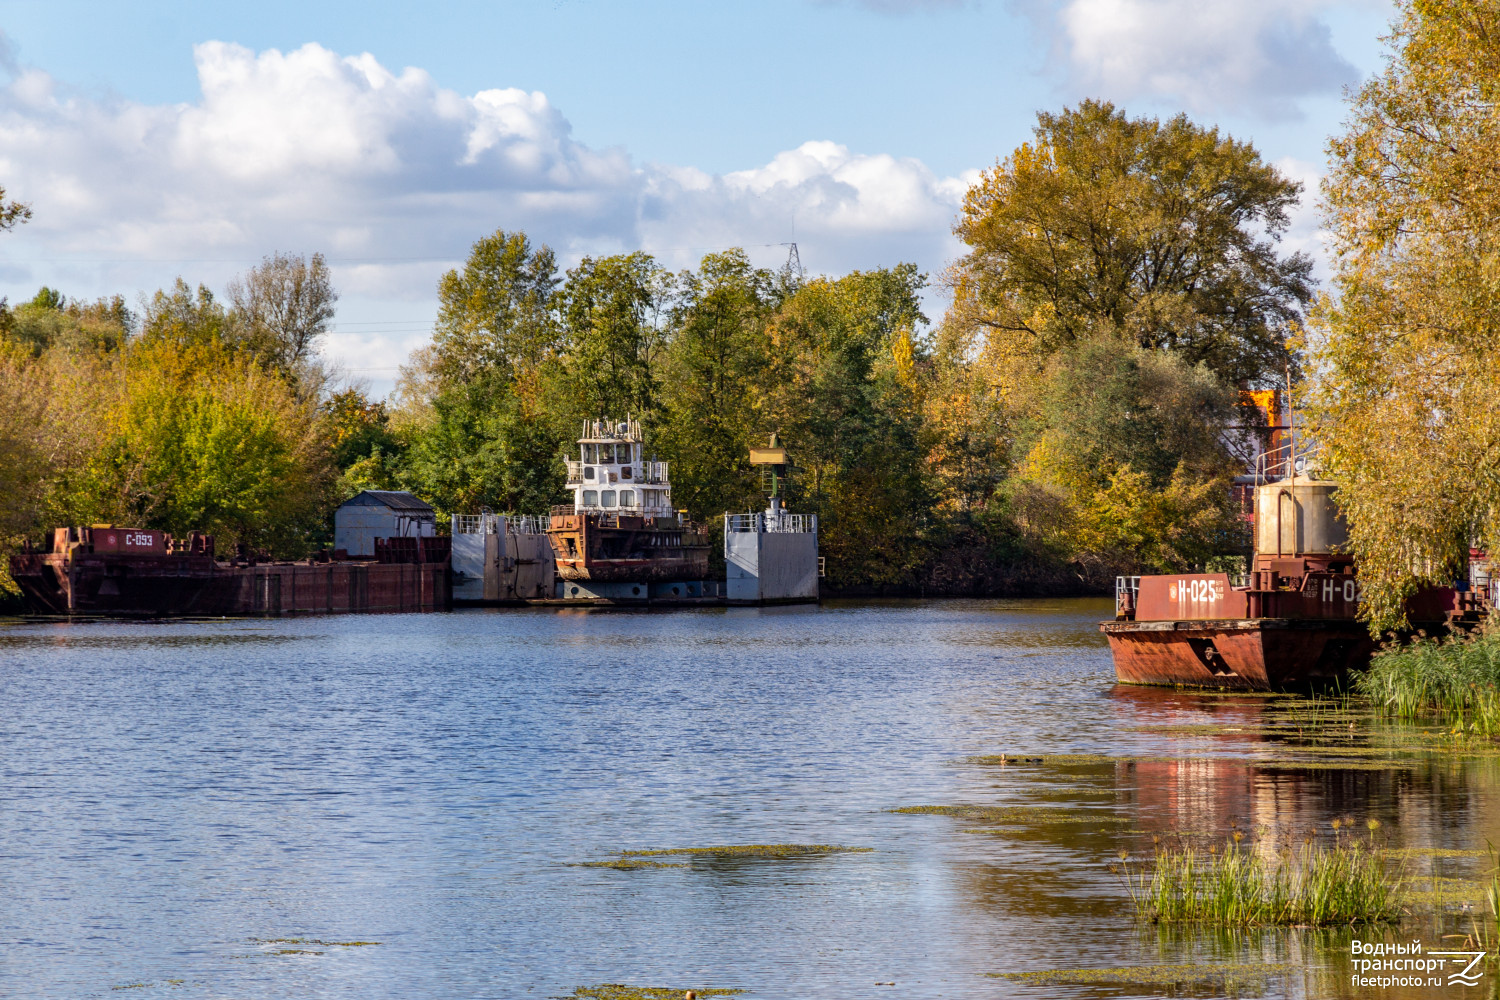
399, 805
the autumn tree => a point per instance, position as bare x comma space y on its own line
1406, 347
185, 317
12, 212
282, 308
1161, 233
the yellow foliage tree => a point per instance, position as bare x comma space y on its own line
1407, 351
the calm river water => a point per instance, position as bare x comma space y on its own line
403, 806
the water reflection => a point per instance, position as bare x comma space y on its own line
174, 796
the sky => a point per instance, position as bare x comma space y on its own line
163, 139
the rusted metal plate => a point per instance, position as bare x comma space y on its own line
130, 541
1259, 655
1190, 595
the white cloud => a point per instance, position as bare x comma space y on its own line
391, 176
1304, 232
1256, 56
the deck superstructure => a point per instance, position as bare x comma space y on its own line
621, 526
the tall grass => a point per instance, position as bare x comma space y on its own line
1456, 680
1314, 885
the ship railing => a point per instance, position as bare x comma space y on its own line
794, 524
1279, 463
489, 524
1127, 592
565, 510
651, 473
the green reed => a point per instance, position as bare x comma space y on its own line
1314, 885
1456, 679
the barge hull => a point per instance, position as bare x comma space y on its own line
1262, 654
103, 584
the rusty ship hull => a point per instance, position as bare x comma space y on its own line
1264, 654
1279, 632
80, 577
627, 548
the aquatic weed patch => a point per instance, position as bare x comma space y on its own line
315, 941
1314, 885
629, 864
750, 851
1014, 815
1220, 978
620, 991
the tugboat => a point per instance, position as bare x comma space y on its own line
621, 526
1292, 622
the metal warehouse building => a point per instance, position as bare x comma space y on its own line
380, 514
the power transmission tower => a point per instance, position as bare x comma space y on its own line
793, 268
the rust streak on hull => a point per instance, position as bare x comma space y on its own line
609, 548
1263, 654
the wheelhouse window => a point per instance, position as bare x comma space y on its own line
627, 498
590, 454
622, 453
591, 498
609, 499
606, 454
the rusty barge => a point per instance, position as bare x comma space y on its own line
1291, 622
109, 570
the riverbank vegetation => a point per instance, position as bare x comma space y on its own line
1314, 885
1455, 680
1070, 417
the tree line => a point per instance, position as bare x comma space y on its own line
1071, 415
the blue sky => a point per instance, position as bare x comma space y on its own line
161, 138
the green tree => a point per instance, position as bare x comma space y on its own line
478, 409
1129, 444
282, 308
50, 319
1405, 351
496, 314
1162, 233
714, 359
611, 309
842, 387
186, 319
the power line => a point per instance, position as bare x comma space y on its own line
449, 259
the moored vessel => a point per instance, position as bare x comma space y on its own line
1292, 621
105, 569
621, 526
